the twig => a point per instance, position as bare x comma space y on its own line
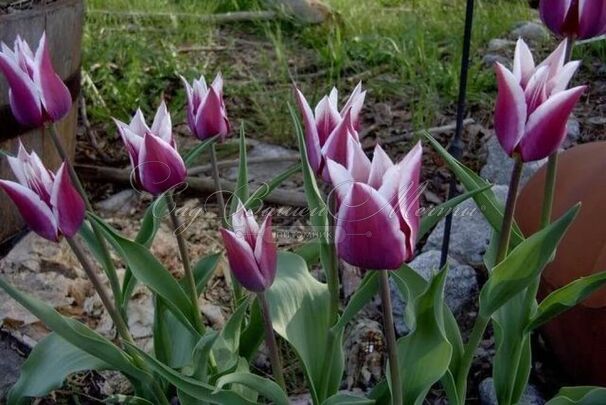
434, 130
198, 48
224, 164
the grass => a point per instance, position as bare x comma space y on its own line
405, 51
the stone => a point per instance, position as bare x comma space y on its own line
491, 58
470, 234
488, 395
364, 350
530, 31
573, 132
307, 11
460, 291
498, 167
10, 366
498, 44
301, 399
120, 204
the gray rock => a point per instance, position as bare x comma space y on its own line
531, 31
470, 232
10, 366
121, 203
491, 58
498, 165
364, 350
302, 399
573, 132
460, 291
498, 44
488, 395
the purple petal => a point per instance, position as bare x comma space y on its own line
68, 205
592, 18
242, 262
312, 141
357, 161
36, 214
137, 124
553, 14
243, 223
561, 80
160, 166
217, 84
191, 107
380, 164
210, 117
510, 110
340, 178
266, 252
132, 142
56, 99
409, 196
367, 235
555, 60
327, 119
355, 102
336, 146
162, 125
536, 90
546, 127
523, 63
24, 95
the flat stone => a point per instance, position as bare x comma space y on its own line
531, 31
488, 395
120, 204
498, 165
470, 233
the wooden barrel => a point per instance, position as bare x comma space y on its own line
576, 337
63, 21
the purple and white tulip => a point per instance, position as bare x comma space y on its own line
48, 202
37, 94
206, 113
251, 250
578, 19
377, 222
157, 166
533, 105
328, 131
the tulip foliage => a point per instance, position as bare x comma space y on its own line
363, 211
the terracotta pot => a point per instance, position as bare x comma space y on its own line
577, 337
63, 22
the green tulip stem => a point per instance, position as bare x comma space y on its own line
108, 263
270, 341
504, 238
190, 280
390, 336
217, 180
332, 277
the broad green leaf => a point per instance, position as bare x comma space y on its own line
191, 386
47, 366
487, 201
565, 298
298, 305
252, 335
256, 199
241, 191
310, 252
203, 271
264, 386
580, 396
198, 368
126, 400
192, 155
364, 294
231, 331
424, 354
435, 214
148, 270
523, 265
348, 399
380, 393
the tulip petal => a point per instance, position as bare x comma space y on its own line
555, 60
24, 95
340, 178
242, 262
553, 14
546, 127
55, 95
36, 214
380, 164
327, 118
138, 124
409, 194
357, 161
592, 18
217, 84
561, 80
355, 102
266, 252
210, 118
312, 141
160, 166
243, 223
132, 142
536, 90
336, 146
162, 125
523, 63
510, 110
367, 235
68, 205
191, 107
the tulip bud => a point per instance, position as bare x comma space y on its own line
206, 113
377, 221
48, 202
251, 250
328, 131
37, 93
580, 19
533, 105
157, 166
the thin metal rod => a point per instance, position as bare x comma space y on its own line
456, 147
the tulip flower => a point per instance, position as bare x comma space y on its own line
206, 113
37, 94
48, 202
328, 131
251, 250
157, 165
533, 105
579, 19
377, 221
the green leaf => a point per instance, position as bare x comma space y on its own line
47, 366
256, 199
310, 252
580, 396
252, 335
348, 399
126, 400
487, 201
298, 305
148, 270
523, 265
203, 271
192, 155
263, 386
191, 386
435, 214
364, 294
565, 298
424, 354
241, 191
231, 331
